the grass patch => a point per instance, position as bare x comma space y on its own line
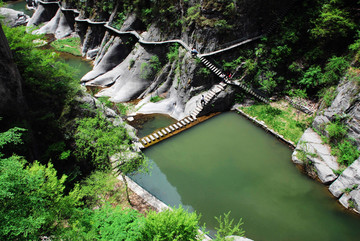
282, 118
156, 98
68, 45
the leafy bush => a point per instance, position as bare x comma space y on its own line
328, 95
122, 108
32, 200
332, 23
104, 223
173, 53
176, 224
106, 101
268, 82
311, 77
100, 188
155, 63
227, 227
336, 130
346, 152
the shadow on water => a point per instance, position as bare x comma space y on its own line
147, 124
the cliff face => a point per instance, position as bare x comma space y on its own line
12, 101
345, 109
129, 70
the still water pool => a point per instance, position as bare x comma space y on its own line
229, 164
19, 6
80, 65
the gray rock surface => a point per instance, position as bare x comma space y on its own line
131, 23
42, 14
91, 54
128, 82
13, 18
347, 186
12, 102
347, 104
59, 25
117, 52
91, 36
319, 154
349, 178
237, 238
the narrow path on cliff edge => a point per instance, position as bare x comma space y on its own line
190, 120
140, 38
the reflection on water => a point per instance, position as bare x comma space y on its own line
147, 124
81, 65
228, 164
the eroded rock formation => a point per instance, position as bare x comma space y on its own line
130, 70
346, 106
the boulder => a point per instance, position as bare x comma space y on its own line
347, 179
91, 54
319, 154
13, 18
60, 25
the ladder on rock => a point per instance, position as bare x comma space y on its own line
248, 89
215, 90
219, 73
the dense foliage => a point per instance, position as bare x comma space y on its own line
36, 200
307, 54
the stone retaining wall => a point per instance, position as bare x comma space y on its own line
265, 127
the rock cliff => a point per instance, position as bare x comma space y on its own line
12, 100
131, 70
317, 156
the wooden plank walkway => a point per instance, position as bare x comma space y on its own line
171, 130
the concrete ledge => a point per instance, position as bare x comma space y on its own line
271, 131
150, 199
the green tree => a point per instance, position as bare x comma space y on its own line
32, 200
333, 22
334, 70
97, 140
311, 77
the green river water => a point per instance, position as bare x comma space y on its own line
229, 164
19, 6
